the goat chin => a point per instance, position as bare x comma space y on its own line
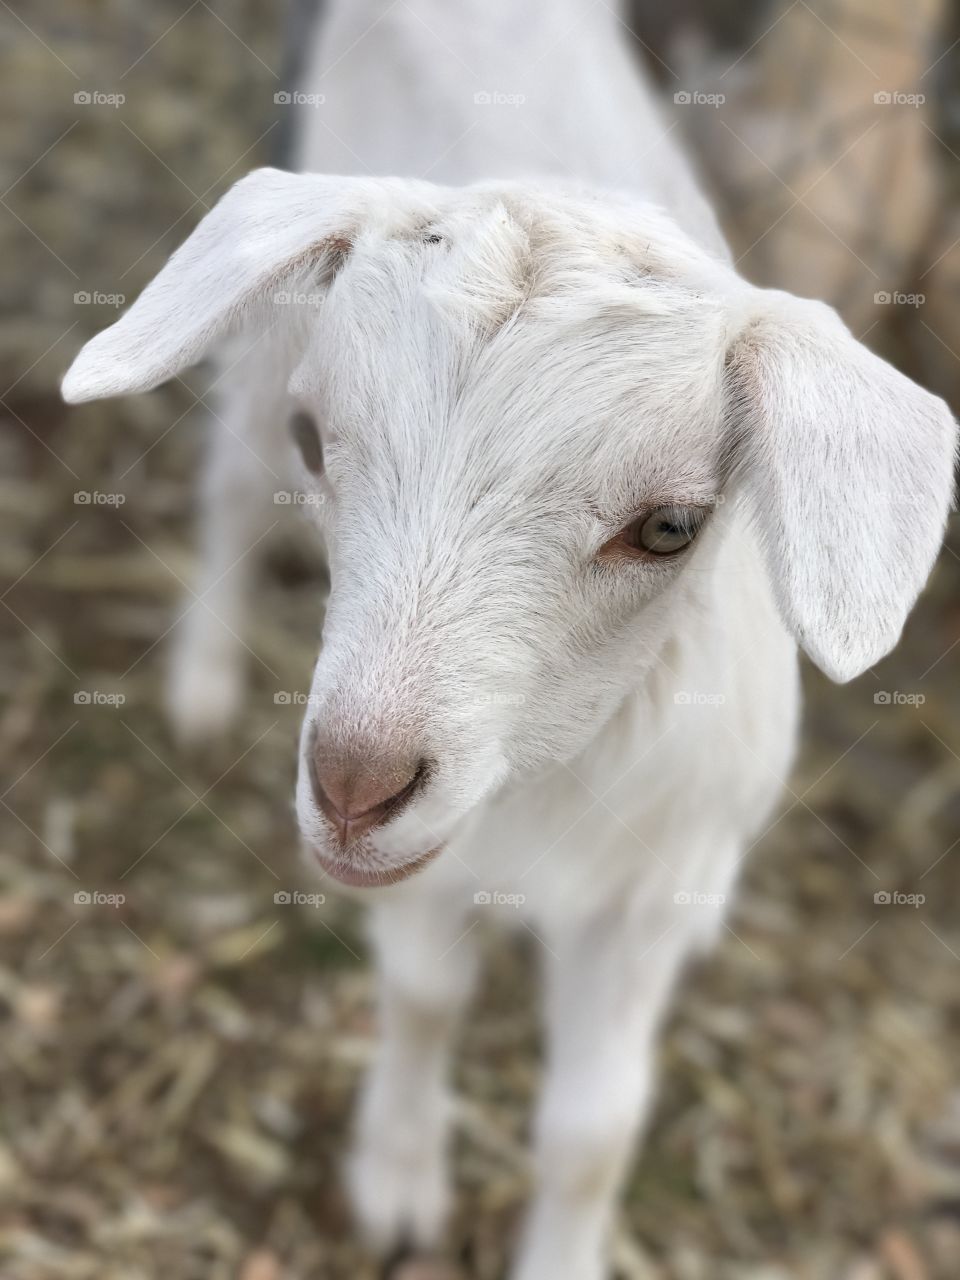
362, 875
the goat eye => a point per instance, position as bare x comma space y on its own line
307, 439
662, 532
668, 530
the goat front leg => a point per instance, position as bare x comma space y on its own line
607, 983
427, 963
246, 458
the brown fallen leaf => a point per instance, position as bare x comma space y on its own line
262, 1264
17, 913
39, 1007
901, 1256
174, 977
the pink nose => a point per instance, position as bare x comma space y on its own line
358, 793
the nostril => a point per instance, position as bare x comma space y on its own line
358, 794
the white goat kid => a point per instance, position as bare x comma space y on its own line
583, 491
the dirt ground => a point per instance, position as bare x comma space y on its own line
178, 1048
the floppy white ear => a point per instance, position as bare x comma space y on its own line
267, 227
848, 467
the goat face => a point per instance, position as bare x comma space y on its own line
512, 488
527, 404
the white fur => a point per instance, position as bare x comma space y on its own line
607, 739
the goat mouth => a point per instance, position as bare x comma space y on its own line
357, 877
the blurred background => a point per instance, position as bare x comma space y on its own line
180, 1044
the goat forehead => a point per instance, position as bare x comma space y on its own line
486, 377
575, 374
482, 260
